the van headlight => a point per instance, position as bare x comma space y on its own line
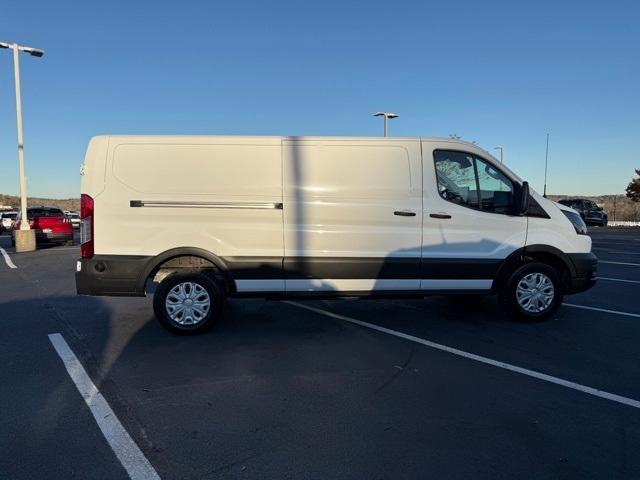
576, 221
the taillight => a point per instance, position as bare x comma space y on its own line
86, 226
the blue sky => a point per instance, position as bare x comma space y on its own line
494, 72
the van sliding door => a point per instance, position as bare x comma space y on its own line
352, 215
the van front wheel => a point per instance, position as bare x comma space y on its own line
188, 303
532, 293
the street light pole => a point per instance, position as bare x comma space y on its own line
24, 241
501, 148
24, 224
386, 116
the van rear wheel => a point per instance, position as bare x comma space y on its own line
188, 303
532, 293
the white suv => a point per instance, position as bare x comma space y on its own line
6, 220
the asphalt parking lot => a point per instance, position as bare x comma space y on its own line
377, 389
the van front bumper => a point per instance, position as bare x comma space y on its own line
586, 269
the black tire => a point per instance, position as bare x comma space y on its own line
508, 295
201, 323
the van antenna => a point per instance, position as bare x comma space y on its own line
546, 163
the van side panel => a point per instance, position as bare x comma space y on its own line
219, 194
352, 214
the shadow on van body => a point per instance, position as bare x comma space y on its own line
295, 266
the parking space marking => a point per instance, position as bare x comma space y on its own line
7, 258
619, 263
130, 456
604, 310
618, 280
472, 356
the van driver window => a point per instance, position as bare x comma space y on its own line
461, 175
496, 190
456, 177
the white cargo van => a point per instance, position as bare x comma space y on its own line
208, 217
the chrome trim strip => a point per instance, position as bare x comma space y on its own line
246, 205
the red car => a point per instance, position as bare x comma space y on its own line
49, 223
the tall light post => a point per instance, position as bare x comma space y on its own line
25, 237
501, 148
386, 116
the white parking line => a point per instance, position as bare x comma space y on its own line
130, 456
619, 263
471, 356
597, 309
7, 258
618, 280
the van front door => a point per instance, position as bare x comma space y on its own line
352, 215
469, 224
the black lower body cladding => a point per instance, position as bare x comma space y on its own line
586, 269
126, 275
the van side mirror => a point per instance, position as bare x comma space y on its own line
522, 206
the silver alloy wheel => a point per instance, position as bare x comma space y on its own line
535, 292
188, 303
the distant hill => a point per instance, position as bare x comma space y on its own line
62, 204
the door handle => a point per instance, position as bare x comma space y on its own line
404, 213
440, 215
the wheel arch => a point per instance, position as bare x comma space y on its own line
164, 258
543, 253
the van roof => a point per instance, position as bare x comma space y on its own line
275, 138
296, 137
449, 143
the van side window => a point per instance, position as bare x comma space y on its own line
456, 177
496, 190
462, 175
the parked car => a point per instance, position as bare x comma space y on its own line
6, 220
49, 223
212, 217
74, 217
591, 213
